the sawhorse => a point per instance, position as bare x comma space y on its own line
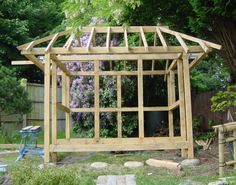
28, 145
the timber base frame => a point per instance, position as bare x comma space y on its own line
179, 61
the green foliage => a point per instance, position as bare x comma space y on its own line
223, 100
13, 97
210, 74
21, 22
30, 175
80, 12
9, 138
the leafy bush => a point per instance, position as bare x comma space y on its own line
223, 100
26, 174
13, 97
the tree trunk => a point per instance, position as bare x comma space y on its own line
224, 33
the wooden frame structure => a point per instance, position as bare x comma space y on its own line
179, 63
222, 140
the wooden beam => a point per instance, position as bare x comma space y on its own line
67, 103
154, 44
126, 39
172, 65
63, 108
119, 100
197, 60
47, 108
193, 39
78, 36
113, 57
22, 62
182, 43
108, 38
174, 105
167, 65
70, 41
181, 103
54, 103
113, 50
96, 101
116, 147
204, 47
90, 39
155, 108
52, 42
61, 65
171, 93
30, 46
115, 73
162, 39
35, 61
143, 39
120, 29
140, 99
123, 141
187, 93
221, 141
44, 39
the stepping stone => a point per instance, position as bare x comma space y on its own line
190, 162
41, 166
219, 182
133, 164
116, 180
99, 165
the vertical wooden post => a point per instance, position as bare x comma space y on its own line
119, 116
234, 145
47, 108
171, 100
54, 108
96, 100
188, 109
63, 92
221, 141
140, 98
182, 104
67, 99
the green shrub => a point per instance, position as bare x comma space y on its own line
29, 175
223, 100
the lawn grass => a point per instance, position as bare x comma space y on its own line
146, 175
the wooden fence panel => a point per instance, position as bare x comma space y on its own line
36, 116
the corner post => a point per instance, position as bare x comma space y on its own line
182, 105
47, 108
188, 109
54, 108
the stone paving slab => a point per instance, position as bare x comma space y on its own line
116, 180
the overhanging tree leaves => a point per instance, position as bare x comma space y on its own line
213, 19
22, 21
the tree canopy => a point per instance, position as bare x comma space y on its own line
23, 21
214, 20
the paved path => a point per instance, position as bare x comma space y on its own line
116, 180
